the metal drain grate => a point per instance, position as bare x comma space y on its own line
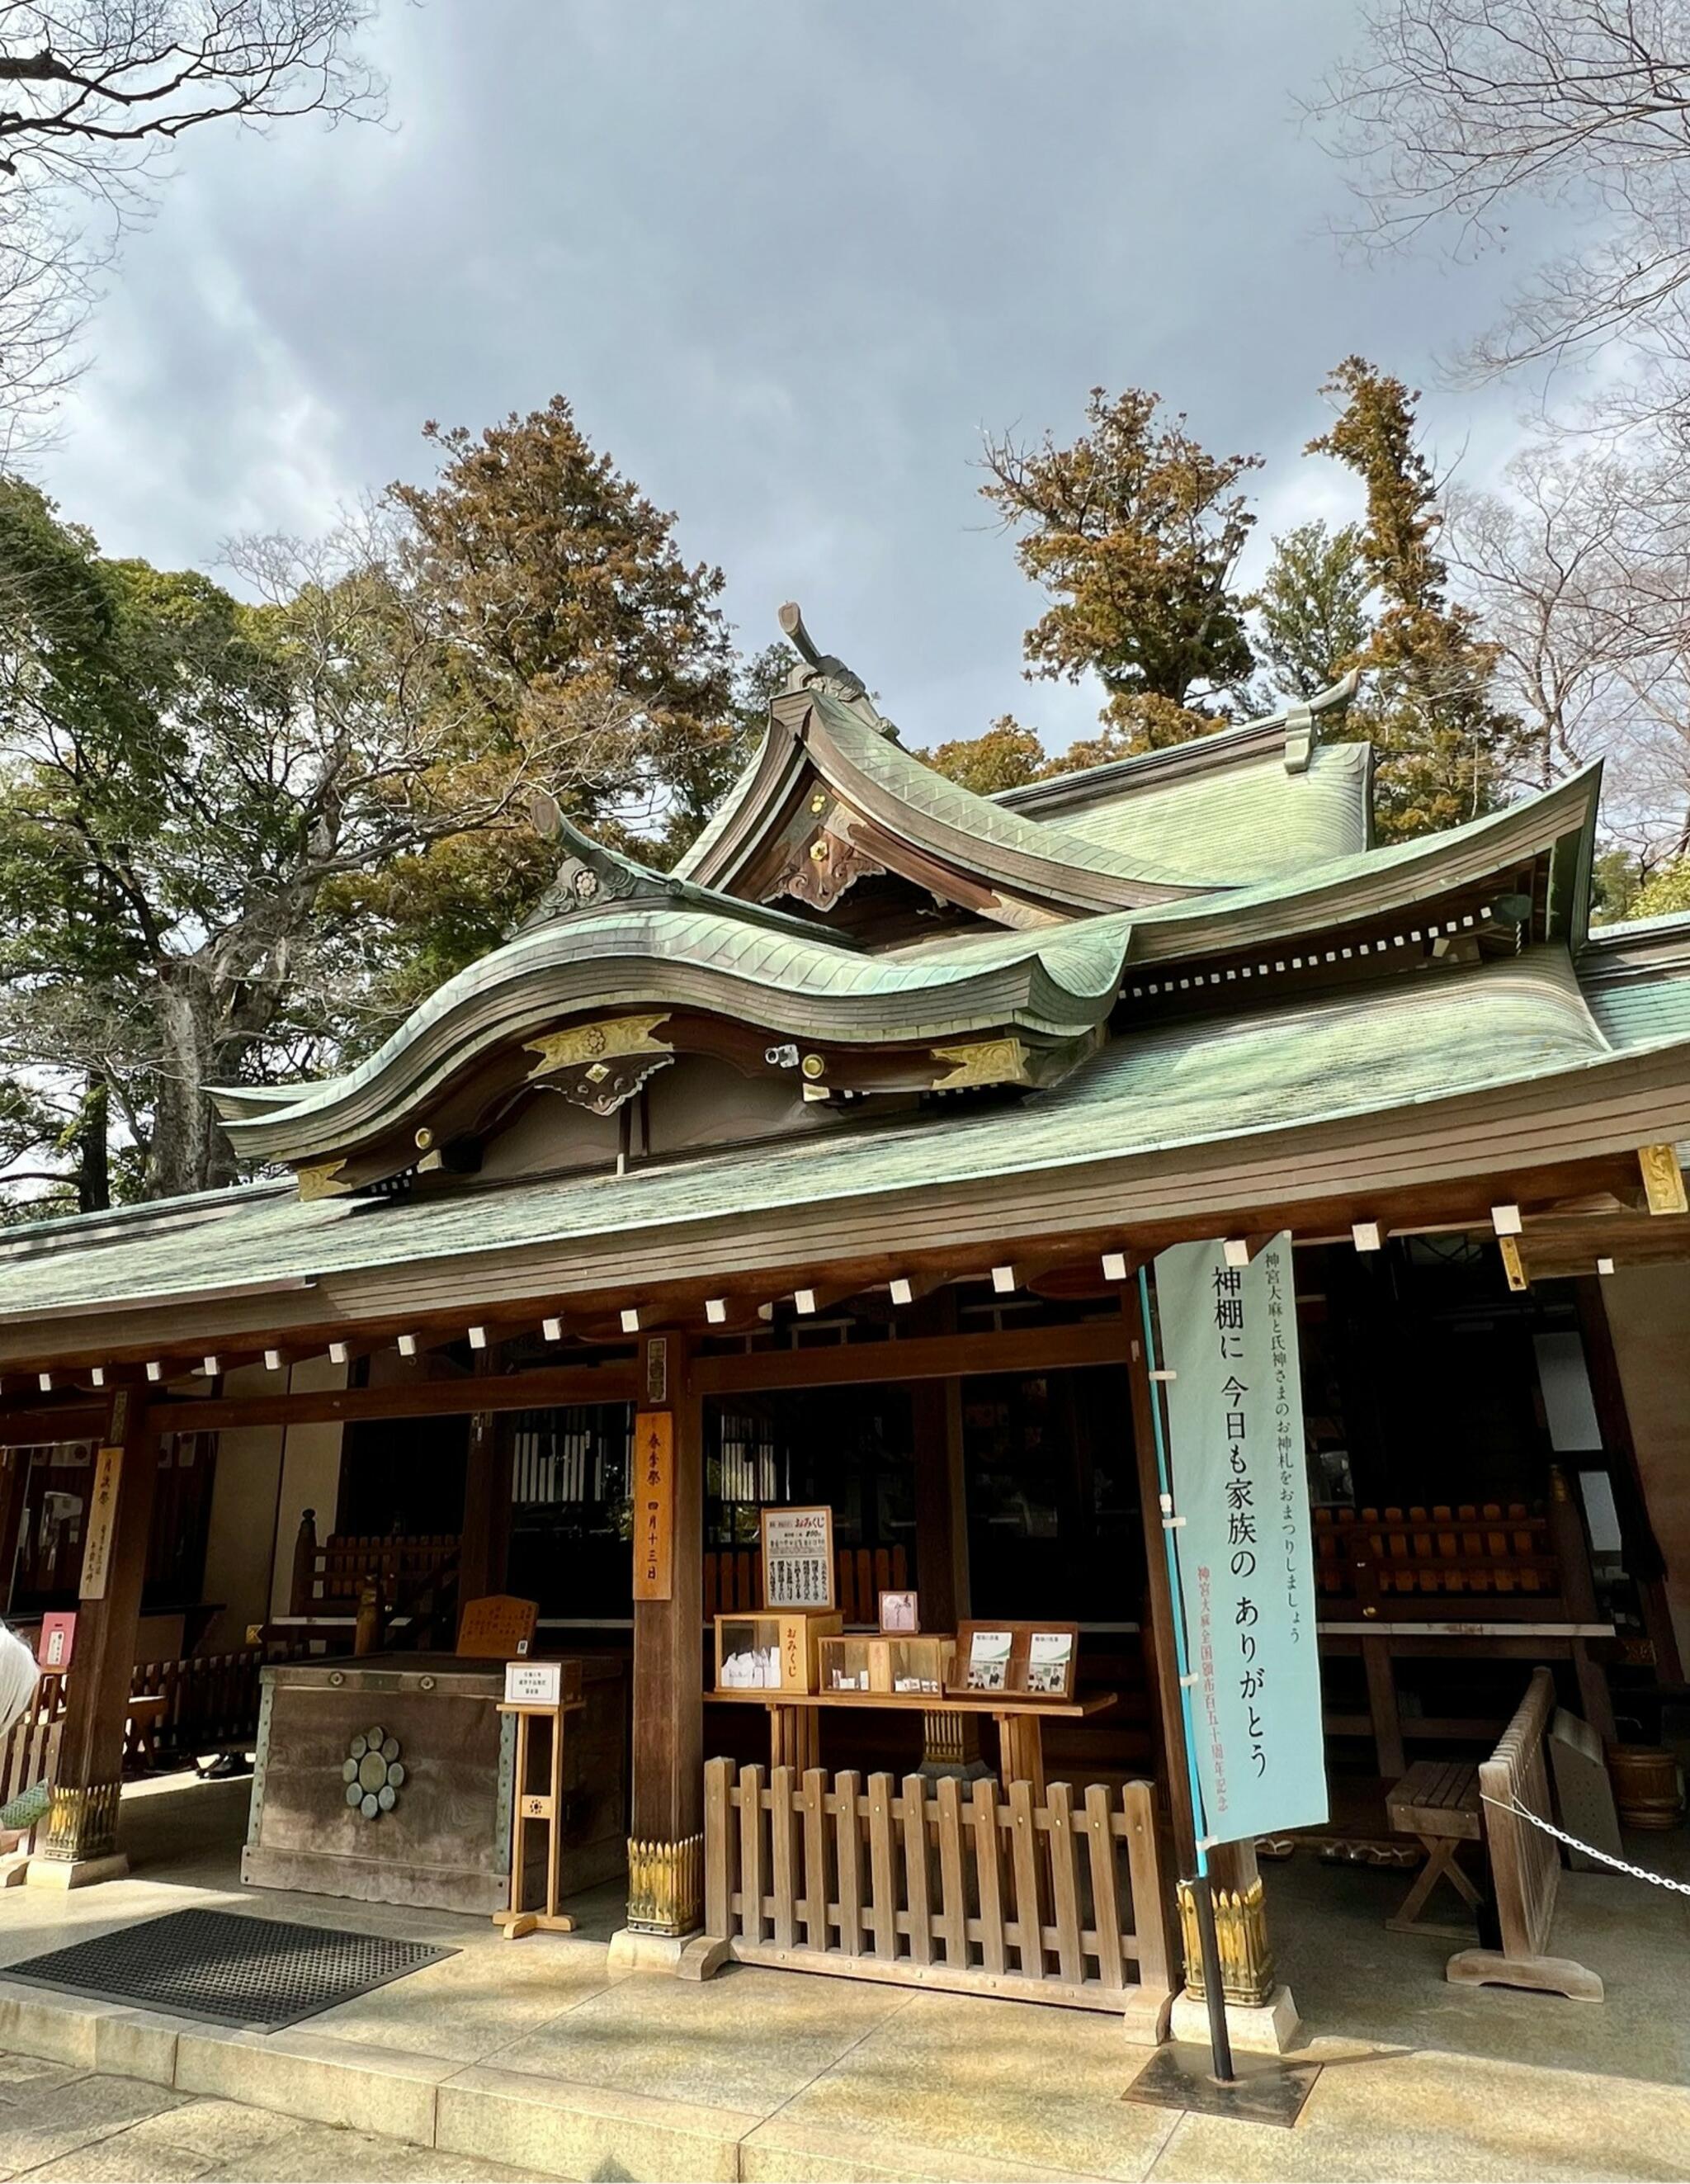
225, 1968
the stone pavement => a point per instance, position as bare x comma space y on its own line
534, 2054
57, 2122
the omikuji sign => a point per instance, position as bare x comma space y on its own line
1235, 1414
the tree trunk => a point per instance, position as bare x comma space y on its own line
189, 1150
93, 1149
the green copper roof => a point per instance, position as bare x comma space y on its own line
1441, 1032
1248, 822
1060, 983
922, 789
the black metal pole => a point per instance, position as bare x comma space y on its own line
1163, 1560
1209, 1950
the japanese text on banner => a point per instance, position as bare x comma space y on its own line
1234, 1415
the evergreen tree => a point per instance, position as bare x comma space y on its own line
1313, 609
1444, 747
1136, 531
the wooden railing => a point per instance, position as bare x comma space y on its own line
207, 1703
1471, 1552
934, 1884
330, 1575
733, 1580
179, 1709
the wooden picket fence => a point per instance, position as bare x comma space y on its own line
945, 1885
30, 1747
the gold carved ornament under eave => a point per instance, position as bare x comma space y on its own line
984, 1062
599, 1065
321, 1180
820, 871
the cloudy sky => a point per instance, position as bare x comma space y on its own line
787, 258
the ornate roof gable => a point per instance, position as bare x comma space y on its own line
831, 797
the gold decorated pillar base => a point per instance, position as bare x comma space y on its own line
1242, 1942
666, 1885
76, 1841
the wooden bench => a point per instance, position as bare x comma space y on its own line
1439, 1801
1525, 1862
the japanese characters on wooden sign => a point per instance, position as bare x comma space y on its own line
102, 1526
798, 1557
497, 1626
654, 1505
1240, 1483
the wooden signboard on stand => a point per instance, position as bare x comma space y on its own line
798, 1558
497, 1626
536, 1691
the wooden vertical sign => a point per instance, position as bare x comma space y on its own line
654, 1505
97, 1539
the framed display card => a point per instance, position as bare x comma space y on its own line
1021, 1660
798, 1558
986, 1665
900, 1614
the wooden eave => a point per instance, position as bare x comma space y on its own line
1435, 1164
1549, 838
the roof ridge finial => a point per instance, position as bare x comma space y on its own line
829, 671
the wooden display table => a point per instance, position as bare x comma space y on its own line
794, 1722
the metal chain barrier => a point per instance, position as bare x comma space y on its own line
1619, 1865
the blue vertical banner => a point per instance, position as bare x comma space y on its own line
1246, 1558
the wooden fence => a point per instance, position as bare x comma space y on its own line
1525, 1862
30, 1747
1471, 1552
942, 1884
330, 1575
178, 1710
733, 1580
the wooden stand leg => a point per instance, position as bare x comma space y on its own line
1381, 1704
1020, 1752
1441, 1853
547, 1806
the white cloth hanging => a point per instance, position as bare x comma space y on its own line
19, 1676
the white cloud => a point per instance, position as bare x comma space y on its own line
786, 260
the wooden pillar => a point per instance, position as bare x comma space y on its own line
666, 1841
940, 1503
78, 1838
15, 1492
1571, 1547
483, 1541
302, 1590
1645, 1564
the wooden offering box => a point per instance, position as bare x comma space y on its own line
919, 1665
440, 1779
1015, 1660
774, 1652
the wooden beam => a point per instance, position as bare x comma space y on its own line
33, 1429
914, 1357
547, 1387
